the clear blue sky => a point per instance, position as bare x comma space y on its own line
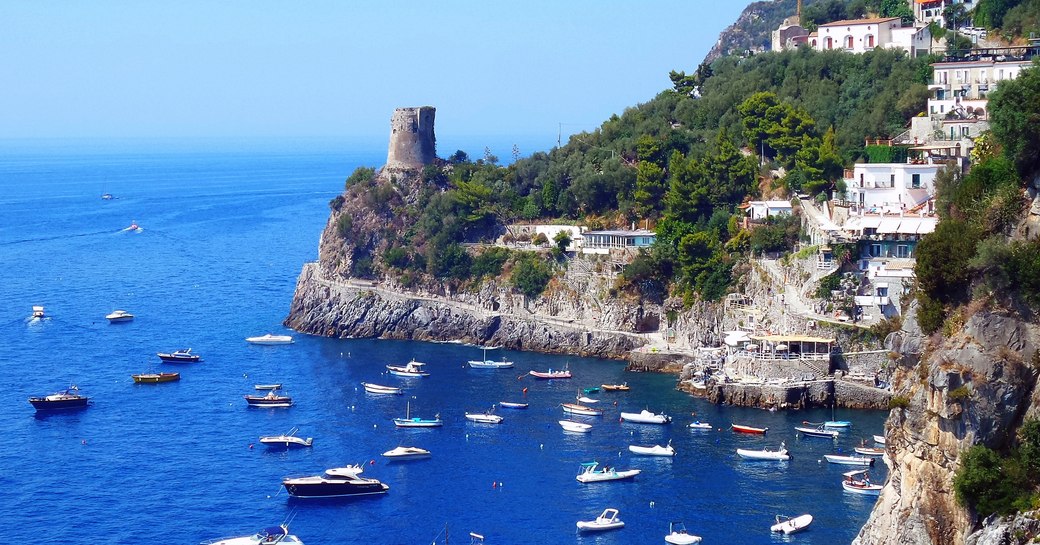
315, 68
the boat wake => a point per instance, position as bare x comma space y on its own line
56, 237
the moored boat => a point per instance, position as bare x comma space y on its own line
152, 378
272, 535
271, 386
270, 339
837, 424
592, 473
608, 520
380, 389
879, 439
646, 417
58, 401
272, 399
677, 535
748, 429
698, 425
410, 421
512, 405
849, 460
587, 400
406, 453
287, 440
868, 451
490, 364
37, 312
487, 417
179, 356
656, 450
119, 316
790, 525
616, 387
411, 369
780, 454
336, 482
575, 427
858, 482
550, 374
816, 432
574, 408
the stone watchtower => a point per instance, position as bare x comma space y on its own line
412, 143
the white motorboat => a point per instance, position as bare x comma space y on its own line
858, 482
574, 408
512, 405
406, 453
118, 316
411, 369
592, 473
271, 386
698, 425
486, 417
575, 427
608, 520
817, 432
879, 439
490, 364
790, 525
646, 417
274, 534
656, 450
868, 451
849, 460
780, 454
587, 400
270, 339
287, 440
380, 389
38, 312
677, 535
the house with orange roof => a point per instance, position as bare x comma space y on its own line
862, 35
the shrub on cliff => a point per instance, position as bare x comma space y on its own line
992, 483
530, 275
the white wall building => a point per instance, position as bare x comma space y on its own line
760, 210
862, 35
926, 11
890, 187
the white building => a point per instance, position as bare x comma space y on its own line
926, 11
890, 187
760, 210
862, 35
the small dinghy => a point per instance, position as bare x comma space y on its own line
817, 432
512, 405
592, 473
380, 389
868, 451
790, 525
574, 408
748, 429
656, 450
698, 425
858, 482
608, 520
780, 454
677, 535
486, 417
879, 439
575, 427
646, 417
584, 399
849, 460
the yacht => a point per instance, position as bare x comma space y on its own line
406, 453
336, 482
118, 316
62, 400
274, 534
179, 356
287, 440
270, 339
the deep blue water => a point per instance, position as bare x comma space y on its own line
225, 231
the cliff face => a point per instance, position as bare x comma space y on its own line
992, 387
751, 31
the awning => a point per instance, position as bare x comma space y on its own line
870, 222
908, 226
918, 195
792, 339
870, 300
927, 225
889, 225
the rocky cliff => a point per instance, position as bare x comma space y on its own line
973, 386
751, 31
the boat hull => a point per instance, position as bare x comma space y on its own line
512, 405
43, 404
406, 453
870, 451
820, 433
656, 450
173, 358
550, 375
793, 525
866, 490
748, 429
849, 460
484, 418
311, 487
646, 417
382, 390
594, 526
575, 427
581, 410
286, 442
763, 455
154, 378
488, 364
417, 423
676, 538
265, 401
270, 339
600, 477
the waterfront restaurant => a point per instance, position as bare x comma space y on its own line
783, 347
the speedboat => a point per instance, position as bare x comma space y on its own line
270, 339
107, 196
858, 482
272, 399
849, 460
62, 400
587, 400
118, 316
38, 312
698, 425
287, 440
574, 408
677, 535
748, 429
769, 455
608, 520
656, 450
590, 474
550, 374
179, 356
486, 417
407, 453
380, 389
575, 427
868, 451
274, 534
616, 387
151, 378
410, 369
646, 417
336, 482
512, 405
410, 421
879, 439
790, 525
817, 432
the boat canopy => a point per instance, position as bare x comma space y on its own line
274, 531
855, 473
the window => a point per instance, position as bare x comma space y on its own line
902, 250
891, 180
881, 291
848, 42
965, 131
870, 40
830, 43
915, 180
875, 250
861, 179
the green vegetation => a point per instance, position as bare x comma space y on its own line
992, 482
530, 275
898, 402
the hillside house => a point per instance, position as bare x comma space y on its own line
602, 242
760, 210
862, 35
890, 187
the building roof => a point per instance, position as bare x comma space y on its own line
851, 22
622, 233
791, 339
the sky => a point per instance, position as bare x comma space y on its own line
528, 70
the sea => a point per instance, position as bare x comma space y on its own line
223, 230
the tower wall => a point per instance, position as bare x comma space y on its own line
412, 142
